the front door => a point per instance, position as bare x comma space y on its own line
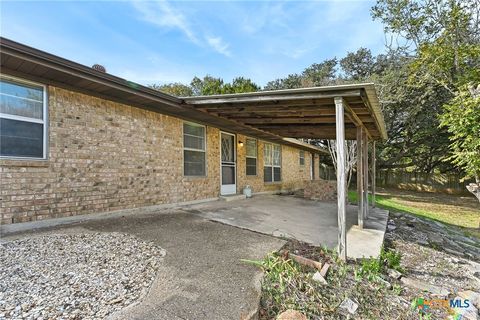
228, 168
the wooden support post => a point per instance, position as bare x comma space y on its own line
374, 174
360, 175
341, 179
365, 176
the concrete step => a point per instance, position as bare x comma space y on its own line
232, 197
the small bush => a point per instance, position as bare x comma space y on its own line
391, 259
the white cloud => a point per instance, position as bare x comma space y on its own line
219, 45
162, 14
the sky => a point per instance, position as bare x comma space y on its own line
173, 41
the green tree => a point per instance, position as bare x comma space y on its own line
292, 81
210, 85
462, 120
240, 85
206, 86
320, 74
175, 89
358, 65
446, 39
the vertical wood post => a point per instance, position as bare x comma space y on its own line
365, 175
374, 173
341, 180
360, 175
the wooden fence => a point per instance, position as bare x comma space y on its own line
442, 182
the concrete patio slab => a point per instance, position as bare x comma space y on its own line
201, 276
310, 221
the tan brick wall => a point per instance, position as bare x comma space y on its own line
107, 156
321, 190
293, 174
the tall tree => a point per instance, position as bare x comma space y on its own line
446, 37
175, 89
292, 81
240, 85
207, 86
358, 65
320, 74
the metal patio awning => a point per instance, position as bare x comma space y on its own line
300, 113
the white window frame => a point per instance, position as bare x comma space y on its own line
250, 157
194, 149
273, 165
301, 156
43, 121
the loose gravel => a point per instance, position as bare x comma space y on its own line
74, 276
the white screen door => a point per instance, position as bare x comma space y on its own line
228, 168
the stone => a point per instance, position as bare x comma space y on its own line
384, 282
391, 227
291, 315
394, 274
349, 306
426, 287
81, 276
435, 238
422, 242
319, 278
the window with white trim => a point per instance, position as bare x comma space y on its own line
23, 119
302, 157
251, 157
194, 159
272, 155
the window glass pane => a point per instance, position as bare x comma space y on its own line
251, 167
192, 142
276, 155
267, 174
21, 100
194, 163
302, 157
267, 154
193, 130
228, 175
277, 174
21, 139
193, 137
251, 148
228, 145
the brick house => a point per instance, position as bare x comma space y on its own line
66, 151
76, 140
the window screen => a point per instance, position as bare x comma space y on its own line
194, 150
22, 119
251, 157
302, 157
272, 171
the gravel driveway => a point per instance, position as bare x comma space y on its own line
74, 276
200, 277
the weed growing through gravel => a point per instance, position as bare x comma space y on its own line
288, 285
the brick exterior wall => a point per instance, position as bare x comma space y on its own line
106, 156
323, 190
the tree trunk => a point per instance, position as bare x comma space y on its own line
474, 187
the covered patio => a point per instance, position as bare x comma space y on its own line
304, 220
344, 112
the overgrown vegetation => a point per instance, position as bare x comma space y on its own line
288, 285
